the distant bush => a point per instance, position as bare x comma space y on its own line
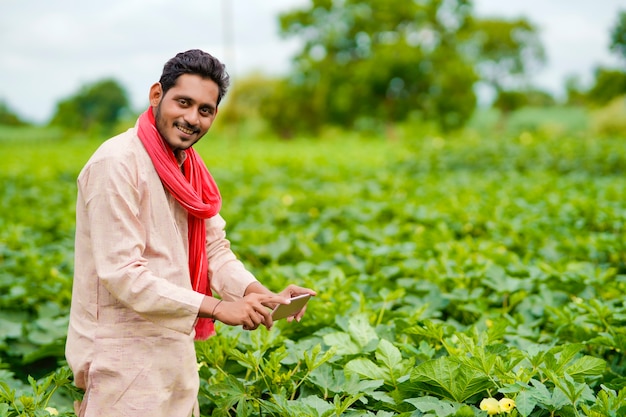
551, 120
8, 117
610, 120
557, 120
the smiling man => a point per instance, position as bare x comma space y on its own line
150, 251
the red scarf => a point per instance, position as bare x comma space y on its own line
197, 192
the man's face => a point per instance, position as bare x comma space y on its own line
186, 112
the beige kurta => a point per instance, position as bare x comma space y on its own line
130, 338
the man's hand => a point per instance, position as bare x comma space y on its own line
292, 291
250, 311
254, 309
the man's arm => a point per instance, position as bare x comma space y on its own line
246, 300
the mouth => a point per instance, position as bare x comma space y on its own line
186, 130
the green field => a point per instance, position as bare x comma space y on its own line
449, 269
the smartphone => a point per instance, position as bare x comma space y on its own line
285, 310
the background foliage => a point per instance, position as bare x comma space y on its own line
96, 108
449, 269
459, 253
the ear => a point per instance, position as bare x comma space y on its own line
156, 94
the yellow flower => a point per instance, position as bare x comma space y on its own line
507, 405
490, 405
52, 411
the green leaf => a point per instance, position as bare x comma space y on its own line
552, 401
6, 392
525, 403
251, 360
448, 379
231, 392
361, 330
327, 379
574, 391
310, 406
343, 343
499, 281
312, 358
425, 404
388, 354
10, 329
586, 366
366, 368
315, 403
565, 354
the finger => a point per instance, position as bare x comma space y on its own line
302, 290
298, 316
257, 317
266, 317
249, 324
271, 301
294, 290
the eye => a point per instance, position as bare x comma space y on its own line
183, 102
206, 111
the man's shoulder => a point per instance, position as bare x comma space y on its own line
123, 151
124, 146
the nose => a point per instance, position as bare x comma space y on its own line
191, 116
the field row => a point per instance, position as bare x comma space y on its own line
448, 271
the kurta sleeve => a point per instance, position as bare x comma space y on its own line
229, 277
113, 198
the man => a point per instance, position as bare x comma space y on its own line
150, 247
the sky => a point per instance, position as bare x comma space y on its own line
49, 49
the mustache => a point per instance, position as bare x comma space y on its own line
195, 129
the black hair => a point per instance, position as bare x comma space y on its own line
199, 63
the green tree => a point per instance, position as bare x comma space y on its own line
609, 84
510, 100
245, 98
618, 35
378, 60
290, 110
8, 117
99, 105
575, 91
505, 52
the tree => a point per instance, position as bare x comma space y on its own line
8, 117
379, 59
385, 61
575, 91
609, 84
618, 35
505, 51
99, 105
510, 100
245, 98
